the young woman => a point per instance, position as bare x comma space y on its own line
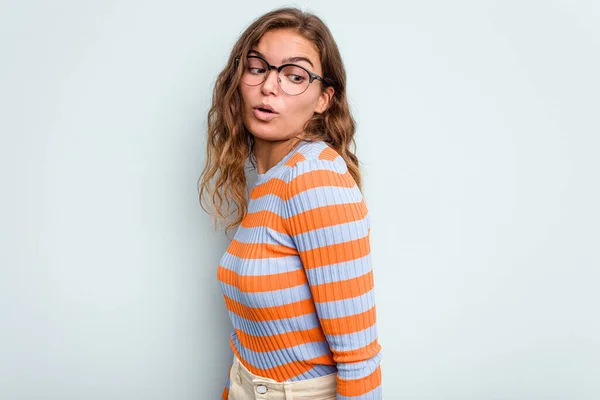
296, 278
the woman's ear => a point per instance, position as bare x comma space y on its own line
325, 100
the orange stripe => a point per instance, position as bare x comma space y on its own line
358, 387
264, 218
274, 186
291, 310
295, 159
259, 250
336, 253
341, 290
316, 178
261, 283
364, 353
328, 153
321, 217
349, 324
281, 341
285, 371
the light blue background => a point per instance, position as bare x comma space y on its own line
478, 126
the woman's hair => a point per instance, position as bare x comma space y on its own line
230, 144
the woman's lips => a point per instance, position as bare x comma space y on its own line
264, 115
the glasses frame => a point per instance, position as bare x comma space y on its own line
311, 74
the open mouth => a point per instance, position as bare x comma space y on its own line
265, 110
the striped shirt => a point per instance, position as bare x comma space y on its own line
297, 278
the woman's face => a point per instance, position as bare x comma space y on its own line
291, 112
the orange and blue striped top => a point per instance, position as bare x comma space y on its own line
297, 277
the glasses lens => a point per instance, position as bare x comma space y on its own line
294, 80
255, 72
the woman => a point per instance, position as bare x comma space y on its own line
296, 278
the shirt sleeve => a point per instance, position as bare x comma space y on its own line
327, 218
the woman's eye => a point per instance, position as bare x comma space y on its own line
257, 70
296, 78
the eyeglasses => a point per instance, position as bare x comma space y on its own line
293, 79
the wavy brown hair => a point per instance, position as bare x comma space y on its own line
230, 144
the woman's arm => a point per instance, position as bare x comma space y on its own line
327, 218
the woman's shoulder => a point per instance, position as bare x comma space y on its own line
317, 164
316, 155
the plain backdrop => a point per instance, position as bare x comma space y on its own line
478, 138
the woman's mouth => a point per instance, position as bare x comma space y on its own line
264, 114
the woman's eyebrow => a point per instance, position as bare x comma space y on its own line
286, 60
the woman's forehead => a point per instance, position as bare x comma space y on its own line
285, 60
281, 46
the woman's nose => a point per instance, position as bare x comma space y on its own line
271, 83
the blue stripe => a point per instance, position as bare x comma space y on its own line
339, 271
317, 197
346, 307
262, 234
267, 202
335, 234
311, 164
274, 327
353, 341
275, 358
260, 266
327, 236
273, 298
359, 369
321, 196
